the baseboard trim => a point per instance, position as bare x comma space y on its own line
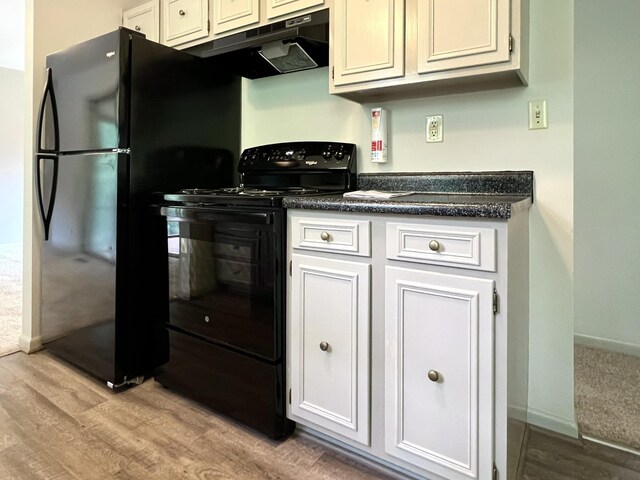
608, 344
611, 445
30, 344
553, 423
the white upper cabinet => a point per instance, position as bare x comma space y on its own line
231, 14
275, 8
144, 18
184, 21
427, 47
459, 33
368, 41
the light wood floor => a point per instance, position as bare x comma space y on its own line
57, 423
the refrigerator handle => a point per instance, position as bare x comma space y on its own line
46, 216
48, 91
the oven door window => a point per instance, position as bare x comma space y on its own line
222, 279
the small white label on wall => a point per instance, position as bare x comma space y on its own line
378, 135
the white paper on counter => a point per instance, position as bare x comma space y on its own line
375, 194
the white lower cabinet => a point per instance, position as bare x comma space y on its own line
329, 344
439, 372
410, 346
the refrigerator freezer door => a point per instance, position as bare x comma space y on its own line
89, 83
79, 266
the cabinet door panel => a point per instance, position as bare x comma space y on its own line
462, 33
330, 344
275, 8
442, 326
144, 18
368, 40
231, 14
184, 20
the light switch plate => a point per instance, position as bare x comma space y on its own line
538, 114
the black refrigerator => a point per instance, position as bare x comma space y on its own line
121, 118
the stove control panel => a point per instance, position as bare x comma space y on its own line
299, 156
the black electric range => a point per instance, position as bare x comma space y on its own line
226, 277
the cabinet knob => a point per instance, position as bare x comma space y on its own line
325, 236
434, 245
324, 346
182, 13
433, 375
137, 28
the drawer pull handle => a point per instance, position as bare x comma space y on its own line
324, 346
433, 375
325, 236
137, 28
182, 13
434, 245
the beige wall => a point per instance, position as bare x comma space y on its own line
11, 154
483, 131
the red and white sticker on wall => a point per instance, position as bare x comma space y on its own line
378, 135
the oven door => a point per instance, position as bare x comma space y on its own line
225, 276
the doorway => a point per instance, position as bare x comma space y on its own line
12, 107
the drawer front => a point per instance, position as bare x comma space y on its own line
185, 20
464, 247
340, 236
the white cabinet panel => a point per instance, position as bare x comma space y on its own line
275, 8
144, 18
184, 21
368, 41
329, 344
439, 372
332, 235
462, 33
231, 14
464, 247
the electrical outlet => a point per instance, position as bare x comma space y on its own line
434, 128
538, 114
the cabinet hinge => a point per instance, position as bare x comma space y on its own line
510, 43
290, 399
333, 71
495, 472
209, 29
495, 301
290, 267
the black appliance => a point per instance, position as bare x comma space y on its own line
121, 117
227, 274
286, 46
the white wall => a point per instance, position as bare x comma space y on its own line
12, 34
607, 174
483, 131
51, 25
11, 153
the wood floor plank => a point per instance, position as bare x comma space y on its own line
564, 458
77, 430
57, 382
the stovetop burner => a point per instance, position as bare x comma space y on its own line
249, 191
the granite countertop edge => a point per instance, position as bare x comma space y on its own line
489, 206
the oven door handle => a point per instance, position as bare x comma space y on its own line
216, 214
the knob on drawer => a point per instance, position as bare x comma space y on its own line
325, 236
433, 375
324, 346
434, 245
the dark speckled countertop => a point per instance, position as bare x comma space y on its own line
454, 194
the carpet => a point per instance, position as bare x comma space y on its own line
10, 297
608, 395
